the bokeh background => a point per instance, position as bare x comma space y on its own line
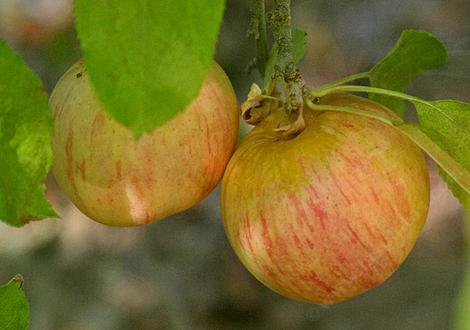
181, 273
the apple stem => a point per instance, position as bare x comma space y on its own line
295, 87
258, 32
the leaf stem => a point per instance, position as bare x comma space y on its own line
257, 30
344, 80
353, 111
375, 90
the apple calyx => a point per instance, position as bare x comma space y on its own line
260, 105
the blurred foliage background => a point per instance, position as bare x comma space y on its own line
180, 273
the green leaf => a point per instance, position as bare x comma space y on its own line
450, 129
270, 70
147, 59
299, 42
415, 52
14, 308
25, 141
452, 167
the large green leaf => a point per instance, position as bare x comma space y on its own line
14, 308
25, 141
415, 52
299, 41
147, 59
450, 129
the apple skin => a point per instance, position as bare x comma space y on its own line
119, 181
331, 213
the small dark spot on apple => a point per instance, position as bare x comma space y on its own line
79, 75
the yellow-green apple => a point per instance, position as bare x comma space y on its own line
330, 213
120, 181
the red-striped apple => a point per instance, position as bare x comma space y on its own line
330, 213
119, 181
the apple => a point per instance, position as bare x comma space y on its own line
326, 215
119, 181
